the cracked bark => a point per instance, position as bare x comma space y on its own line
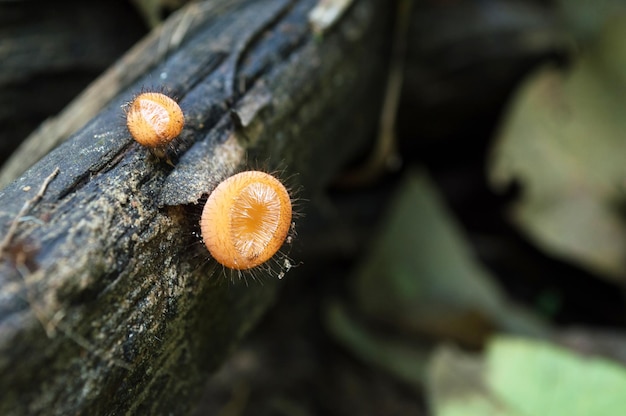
108, 302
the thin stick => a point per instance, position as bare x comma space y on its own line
25, 208
384, 154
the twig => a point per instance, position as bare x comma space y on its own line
25, 208
384, 155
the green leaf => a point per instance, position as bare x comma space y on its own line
456, 386
540, 379
564, 141
422, 275
523, 377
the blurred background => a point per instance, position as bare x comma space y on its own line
471, 261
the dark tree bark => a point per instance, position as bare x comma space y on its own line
108, 302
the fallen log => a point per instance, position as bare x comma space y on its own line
109, 302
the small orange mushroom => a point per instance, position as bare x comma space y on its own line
154, 120
246, 219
